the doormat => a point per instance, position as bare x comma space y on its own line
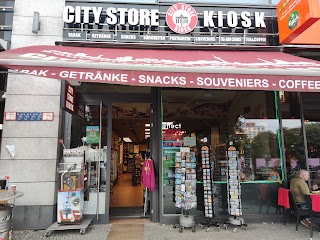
126, 231
126, 212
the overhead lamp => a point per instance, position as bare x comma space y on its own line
147, 129
126, 139
147, 125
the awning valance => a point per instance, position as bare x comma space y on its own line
168, 68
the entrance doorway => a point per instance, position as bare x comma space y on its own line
130, 148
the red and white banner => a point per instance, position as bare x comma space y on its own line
239, 70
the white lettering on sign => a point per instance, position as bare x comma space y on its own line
128, 36
101, 35
171, 126
174, 79
70, 97
232, 19
71, 15
70, 90
40, 73
152, 37
150, 17
233, 82
109, 77
165, 80
122, 16
70, 106
74, 35
300, 84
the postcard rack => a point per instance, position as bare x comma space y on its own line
234, 189
185, 188
208, 195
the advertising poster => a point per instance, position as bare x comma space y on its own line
70, 206
92, 134
168, 164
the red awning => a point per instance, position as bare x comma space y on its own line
168, 68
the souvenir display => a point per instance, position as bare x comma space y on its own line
233, 183
234, 189
207, 183
208, 192
185, 180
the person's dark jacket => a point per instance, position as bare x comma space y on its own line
299, 188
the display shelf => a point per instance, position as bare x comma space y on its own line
234, 189
114, 167
136, 171
185, 180
208, 195
233, 183
125, 158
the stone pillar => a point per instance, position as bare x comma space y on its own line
37, 151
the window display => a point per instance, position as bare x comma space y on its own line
213, 118
185, 179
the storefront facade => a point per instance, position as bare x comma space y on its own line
269, 118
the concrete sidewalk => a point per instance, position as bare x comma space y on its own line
154, 231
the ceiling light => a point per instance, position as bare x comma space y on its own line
147, 125
127, 139
147, 129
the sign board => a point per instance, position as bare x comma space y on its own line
178, 23
206, 69
92, 134
189, 141
70, 98
298, 21
170, 144
29, 116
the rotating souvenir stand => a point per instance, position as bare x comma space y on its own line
207, 188
185, 187
234, 190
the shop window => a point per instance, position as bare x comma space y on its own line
214, 118
292, 133
311, 107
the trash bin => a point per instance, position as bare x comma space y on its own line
5, 222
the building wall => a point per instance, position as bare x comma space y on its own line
37, 150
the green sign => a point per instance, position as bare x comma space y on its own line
168, 164
92, 134
293, 20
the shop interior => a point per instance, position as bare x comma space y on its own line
130, 147
130, 142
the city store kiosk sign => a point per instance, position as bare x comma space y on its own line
180, 18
